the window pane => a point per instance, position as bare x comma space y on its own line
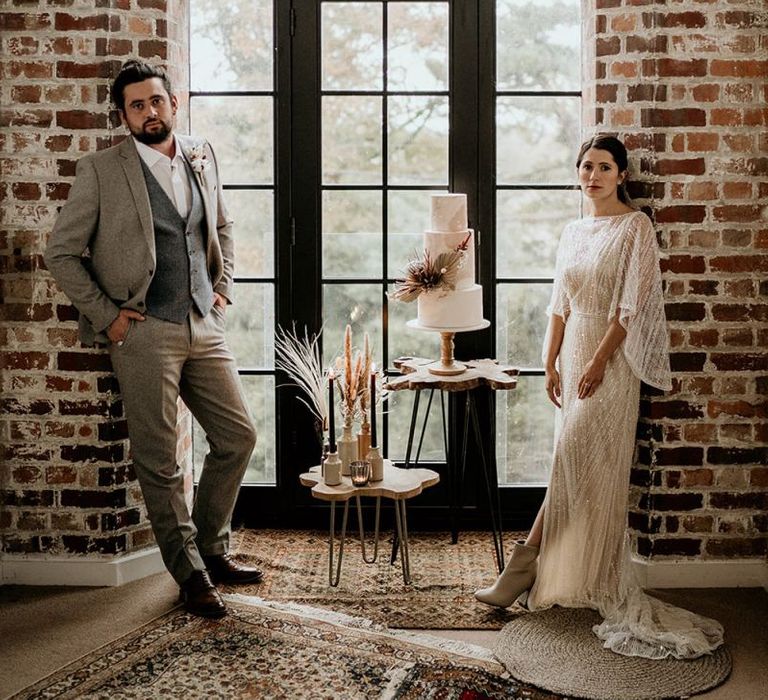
521, 321
408, 218
250, 325
253, 214
231, 45
408, 342
538, 140
352, 140
528, 227
352, 233
242, 131
525, 427
418, 140
538, 45
358, 305
353, 45
417, 46
400, 407
260, 396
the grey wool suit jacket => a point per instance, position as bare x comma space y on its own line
102, 249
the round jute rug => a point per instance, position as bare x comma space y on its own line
556, 650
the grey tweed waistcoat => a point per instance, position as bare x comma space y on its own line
181, 272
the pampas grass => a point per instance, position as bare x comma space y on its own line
299, 358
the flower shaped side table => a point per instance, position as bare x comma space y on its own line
398, 485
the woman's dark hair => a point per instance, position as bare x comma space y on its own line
136, 71
619, 152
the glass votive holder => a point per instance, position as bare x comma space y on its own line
360, 472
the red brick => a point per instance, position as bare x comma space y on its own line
26, 93
703, 338
675, 409
646, 44
739, 212
736, 547
739, 263
67, 22
153, 48
703, 142
677, 546
26, 190
703, 287
692, 214
738, 362
81, 119
34, 70
737, 190
29, 117
624, 69
24, 360
60, 475
607, 47
725, 117
687, 311
687, 361
707, 92
737, 455
670, 67
730, 312
738, 69
740, 337
680, 166
113, 47
100, 69
20, 21
683, 264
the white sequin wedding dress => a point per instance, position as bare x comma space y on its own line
606, 264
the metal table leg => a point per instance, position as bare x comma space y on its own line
331, 542
498, 541
402, 531
375, 533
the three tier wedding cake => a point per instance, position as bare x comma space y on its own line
456, 302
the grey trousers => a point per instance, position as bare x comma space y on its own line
158, 362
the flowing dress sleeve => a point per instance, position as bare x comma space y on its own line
638, 298
559, 304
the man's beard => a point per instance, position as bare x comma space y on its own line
155, 136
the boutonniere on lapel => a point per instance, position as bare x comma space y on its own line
197, 159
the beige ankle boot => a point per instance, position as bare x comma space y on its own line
518, 576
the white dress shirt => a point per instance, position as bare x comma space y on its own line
171, 173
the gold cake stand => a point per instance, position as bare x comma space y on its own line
447, 366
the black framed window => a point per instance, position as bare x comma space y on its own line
334, 121
233, 103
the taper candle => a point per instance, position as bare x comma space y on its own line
331, 411
374, 440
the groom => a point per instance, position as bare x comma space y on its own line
143, 248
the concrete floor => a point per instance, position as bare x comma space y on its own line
44, 628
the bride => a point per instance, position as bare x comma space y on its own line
606, 333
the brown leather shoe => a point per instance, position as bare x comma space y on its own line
224, 568
200, 596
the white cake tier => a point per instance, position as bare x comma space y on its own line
449, 212
436, 243
458, 309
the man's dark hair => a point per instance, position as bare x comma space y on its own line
136, 71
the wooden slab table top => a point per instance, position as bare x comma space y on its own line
397, 484
416, 375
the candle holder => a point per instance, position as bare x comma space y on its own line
360, 472
364, 440
377, 464
332, 469
347, 446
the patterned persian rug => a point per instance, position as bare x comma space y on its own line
444, 576
272, 650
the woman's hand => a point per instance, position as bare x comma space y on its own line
553, 385
591, 378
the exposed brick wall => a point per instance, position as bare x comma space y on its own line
684, 83
66, 481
